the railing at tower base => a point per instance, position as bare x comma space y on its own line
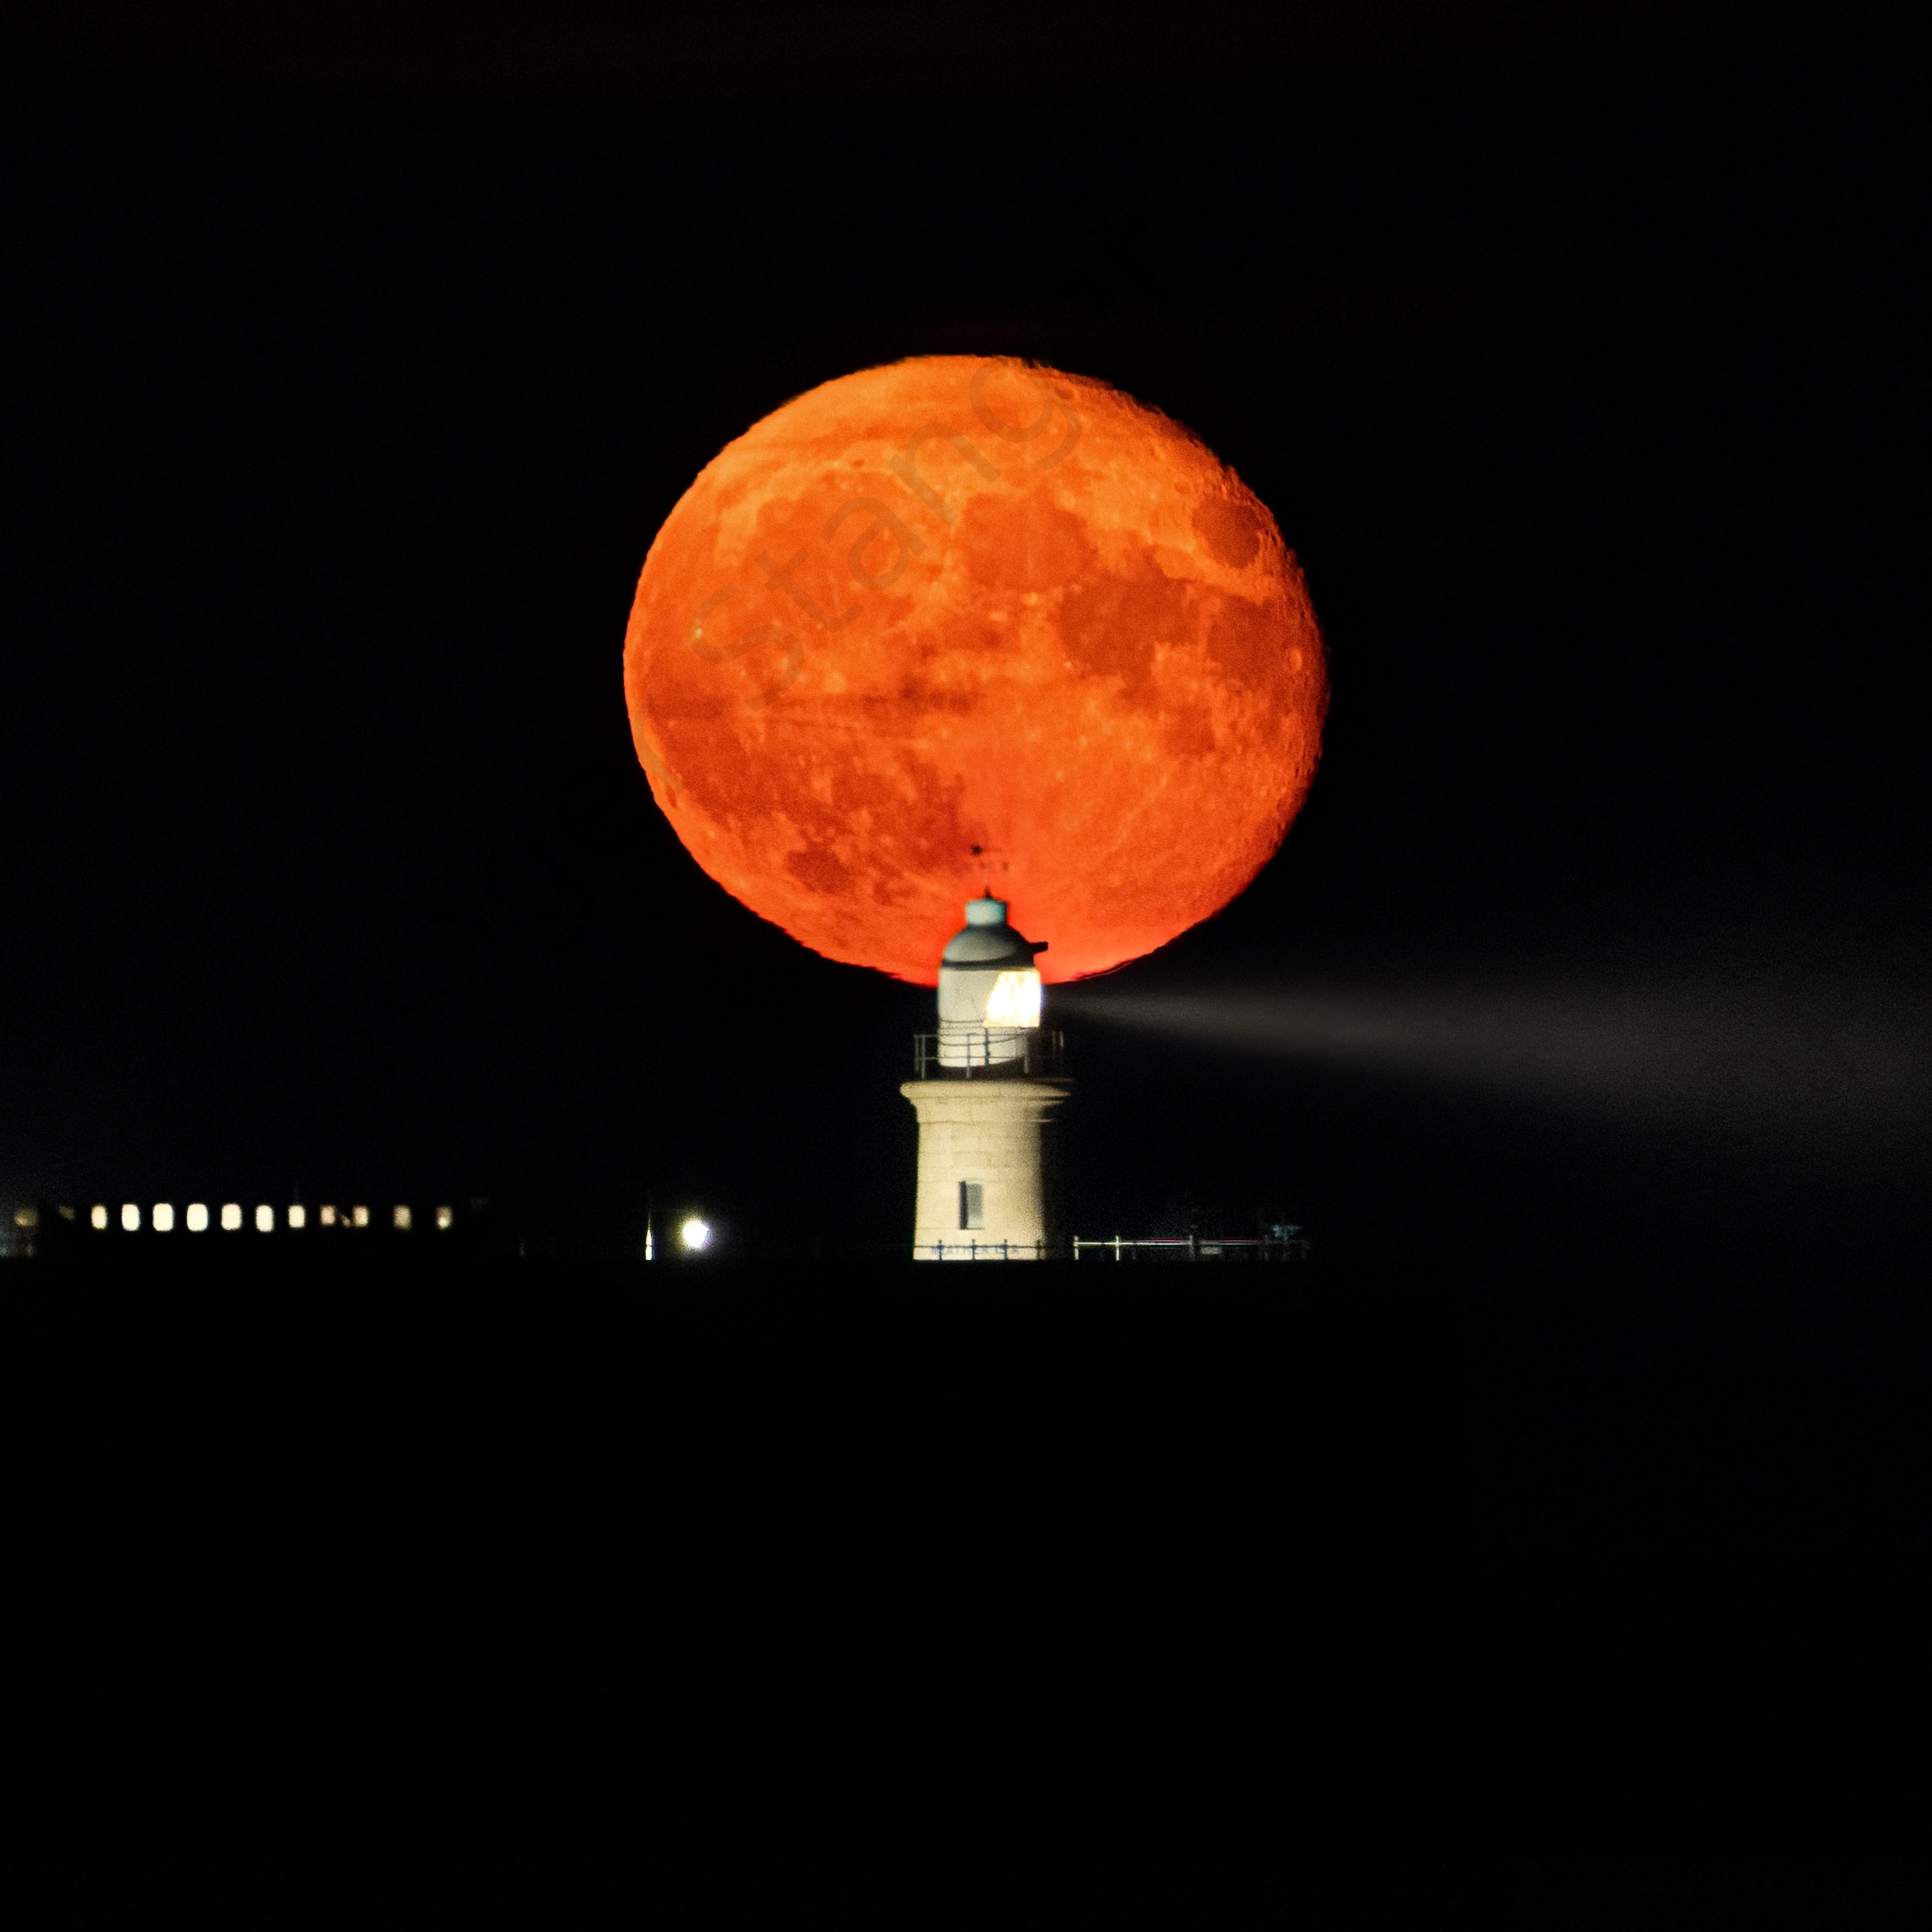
1287, 1247
984, 1251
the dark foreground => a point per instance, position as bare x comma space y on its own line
579, 1595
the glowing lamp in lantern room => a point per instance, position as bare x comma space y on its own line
1015, 1001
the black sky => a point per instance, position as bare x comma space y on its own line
348, 385
355, 353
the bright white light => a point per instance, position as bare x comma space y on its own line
297, 1216
164, 1217
131, 1218
265, 1220
444, 1218
197, 1217
231, 1216
1015, 1000
98, 1217
360, 1216
402, 1218
327, 1215
695, 1234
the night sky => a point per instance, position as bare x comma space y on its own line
344, 404
355, 354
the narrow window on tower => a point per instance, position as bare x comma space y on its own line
972, 1204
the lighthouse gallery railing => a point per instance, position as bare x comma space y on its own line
1042, 1056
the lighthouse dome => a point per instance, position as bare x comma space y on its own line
987, 940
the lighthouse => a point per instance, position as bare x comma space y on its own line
988, 1083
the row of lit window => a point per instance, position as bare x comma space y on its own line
161, 1217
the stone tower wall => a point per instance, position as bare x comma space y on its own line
988, 1132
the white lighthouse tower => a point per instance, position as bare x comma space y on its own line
988, 1082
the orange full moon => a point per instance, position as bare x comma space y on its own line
964, 623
